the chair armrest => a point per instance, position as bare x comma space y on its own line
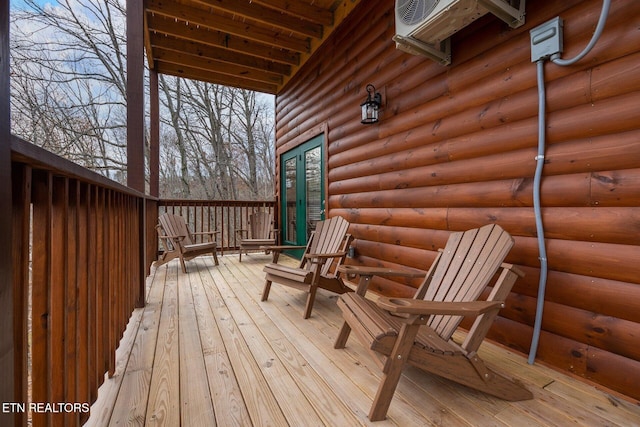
327, 255
363, 270
276, 250
202, 233
281, 248
366, 272
177, 238
422, 307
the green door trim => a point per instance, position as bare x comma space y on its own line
299, 215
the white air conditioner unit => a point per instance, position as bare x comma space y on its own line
423, 27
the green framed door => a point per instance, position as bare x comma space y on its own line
302, 190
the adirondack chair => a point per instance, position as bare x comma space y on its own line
178, 241
324, 253
418, 330
260, 233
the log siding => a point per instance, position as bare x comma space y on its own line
455, 148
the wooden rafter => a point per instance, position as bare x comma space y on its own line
257, 45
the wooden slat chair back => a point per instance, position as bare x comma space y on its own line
329, 238
178, 241
418, 330
468, 263
324, 253
259, 234
261, 225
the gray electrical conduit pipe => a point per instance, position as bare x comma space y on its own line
540, 164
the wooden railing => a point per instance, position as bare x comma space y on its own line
225, 216
82, 247
79, 264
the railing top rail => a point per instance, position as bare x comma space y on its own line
39, 158
185, 202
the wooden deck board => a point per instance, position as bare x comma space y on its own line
164, 395
229, 407
205, 351
196, 405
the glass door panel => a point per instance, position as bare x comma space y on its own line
314, 196
302, 191
290, 200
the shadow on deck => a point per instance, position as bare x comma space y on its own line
205, 351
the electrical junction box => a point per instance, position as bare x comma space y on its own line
546, 39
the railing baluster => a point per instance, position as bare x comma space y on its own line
41, 252
21, 182
83, 339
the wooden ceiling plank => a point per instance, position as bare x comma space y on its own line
313, 13
209, 65
198, 17
215, 38
222, 55
268, 16
215, 78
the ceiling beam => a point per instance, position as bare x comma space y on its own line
222, 55
215, 38
196, 62
215, 78
306, 11
266, 15
197, 17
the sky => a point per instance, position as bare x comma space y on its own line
20, 4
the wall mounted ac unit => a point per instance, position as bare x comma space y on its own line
423, 27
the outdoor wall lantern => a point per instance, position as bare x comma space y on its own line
371, 106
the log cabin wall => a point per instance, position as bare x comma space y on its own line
455, 149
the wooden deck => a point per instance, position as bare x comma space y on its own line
205, 351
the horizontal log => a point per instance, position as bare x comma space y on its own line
620, 225
420, 147
420, 238
564, 190
607, 188
605, 332
513, 164
616, 188
606, 79
507, 165
590, 259
611, 225
600, 260
434, 218
607, 297
399, 255
616, 372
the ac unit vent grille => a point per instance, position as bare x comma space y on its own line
412, 12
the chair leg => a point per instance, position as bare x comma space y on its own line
343, 336
310, 299
392, 370
265, 291
215, 257
386, 390
240, 255
184, 267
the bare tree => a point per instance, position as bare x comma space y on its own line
69, 80
69, 96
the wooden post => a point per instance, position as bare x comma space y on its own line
154, 128
7, 346
135, 95
135, 119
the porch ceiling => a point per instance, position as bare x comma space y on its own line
251, 44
